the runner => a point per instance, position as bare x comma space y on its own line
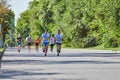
58, 39
37, 41
29, 41
45, 37
52, 42
19, 40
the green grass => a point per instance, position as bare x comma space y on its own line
102, 48
1, 49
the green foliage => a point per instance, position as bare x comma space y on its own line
6, 18
84, 23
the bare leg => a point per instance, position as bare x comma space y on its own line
19, 48
37, 48
46, 49
57, 50
29, 48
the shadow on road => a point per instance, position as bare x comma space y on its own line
33, 62
25, 75
66, 55
11, 73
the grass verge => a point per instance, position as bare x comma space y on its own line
1, 49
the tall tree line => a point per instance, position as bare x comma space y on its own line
84, 23
6, 19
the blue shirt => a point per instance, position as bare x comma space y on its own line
58, 38
45, 37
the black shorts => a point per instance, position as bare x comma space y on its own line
51, 45
29, 44
19, 44
59, 43
36, 44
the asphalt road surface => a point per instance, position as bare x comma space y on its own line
72, 64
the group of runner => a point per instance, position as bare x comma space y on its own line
45, 39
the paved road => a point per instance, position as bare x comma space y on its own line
72, 64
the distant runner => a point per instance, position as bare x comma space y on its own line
37, 41
45, 36
29, 42
19, 40
58, 39
52, 42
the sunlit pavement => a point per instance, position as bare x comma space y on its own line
72, 64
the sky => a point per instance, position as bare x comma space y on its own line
18, 6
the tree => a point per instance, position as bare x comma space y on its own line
84, 23
6, 18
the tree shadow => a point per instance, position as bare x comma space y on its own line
12, 73
15, 74
66, 55
34, 62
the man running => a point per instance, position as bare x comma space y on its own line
58, 39
29, 42
45, 36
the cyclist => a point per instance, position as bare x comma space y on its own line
45, 36
37, 41
58, 39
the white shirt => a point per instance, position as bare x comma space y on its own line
28, 39
52, 40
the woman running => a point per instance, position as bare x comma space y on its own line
19, 40
37, 41
52, 42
